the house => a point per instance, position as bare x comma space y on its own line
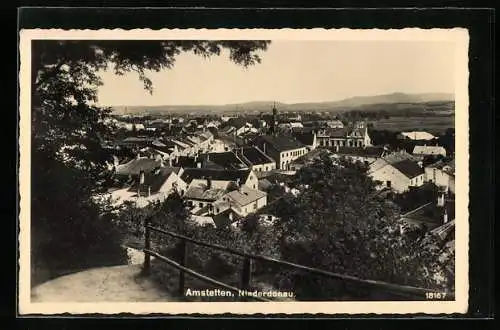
307, 159
242, 201
136, 165
442, 174
416, 136
136, 142
354, 135
161, 180
334, 124
202, 193
429, 151
433, 215
244, 176
255, 159
222, 160
398, 174
283, 149
151, 186
366, 155
236, 126
222, 145
183, 147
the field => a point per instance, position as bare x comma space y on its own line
430, 124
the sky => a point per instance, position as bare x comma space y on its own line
294, 72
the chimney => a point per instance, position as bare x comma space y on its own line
198, 165
421, 164
264, 148
138, 155
440, 201
141, 177
149, 191
209, 183
445, 216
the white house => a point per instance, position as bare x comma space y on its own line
242, 201
441, 174
256, 159
151, 186
429, 151
244, 176
283, 149
399, 175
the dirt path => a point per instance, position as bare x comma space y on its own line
107, 284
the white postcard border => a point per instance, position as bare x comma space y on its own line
457, 35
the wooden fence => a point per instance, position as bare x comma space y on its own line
408, 292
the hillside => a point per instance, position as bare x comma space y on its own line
265, 106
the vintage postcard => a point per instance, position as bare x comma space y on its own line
228, 171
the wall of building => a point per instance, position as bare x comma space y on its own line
439, 178
264, 167
252, 207
286, 157
398, 181
252, 181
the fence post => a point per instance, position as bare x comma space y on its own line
246, 275
147, 246
182, 262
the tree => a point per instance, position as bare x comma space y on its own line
340, 224
68, 128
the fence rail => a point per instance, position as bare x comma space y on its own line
396, 289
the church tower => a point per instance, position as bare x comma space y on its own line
274, 123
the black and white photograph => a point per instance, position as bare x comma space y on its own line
262, 171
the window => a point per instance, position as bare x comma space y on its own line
255, 206
201, 205
388, 184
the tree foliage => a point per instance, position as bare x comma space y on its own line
68, 128
340, 224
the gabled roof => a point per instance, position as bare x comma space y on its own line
333, 132
446, 166
244, 196
429, 150
198, 189
190, 174
360, 151
253, 156
237, 122
181, 144
431, 215
409, 168
226, 160
223, 219
134, 166
306, 138
154, 180
264, 184
279, 143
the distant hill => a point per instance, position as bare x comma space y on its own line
265, 106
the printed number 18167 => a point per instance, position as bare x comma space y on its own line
435, 295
